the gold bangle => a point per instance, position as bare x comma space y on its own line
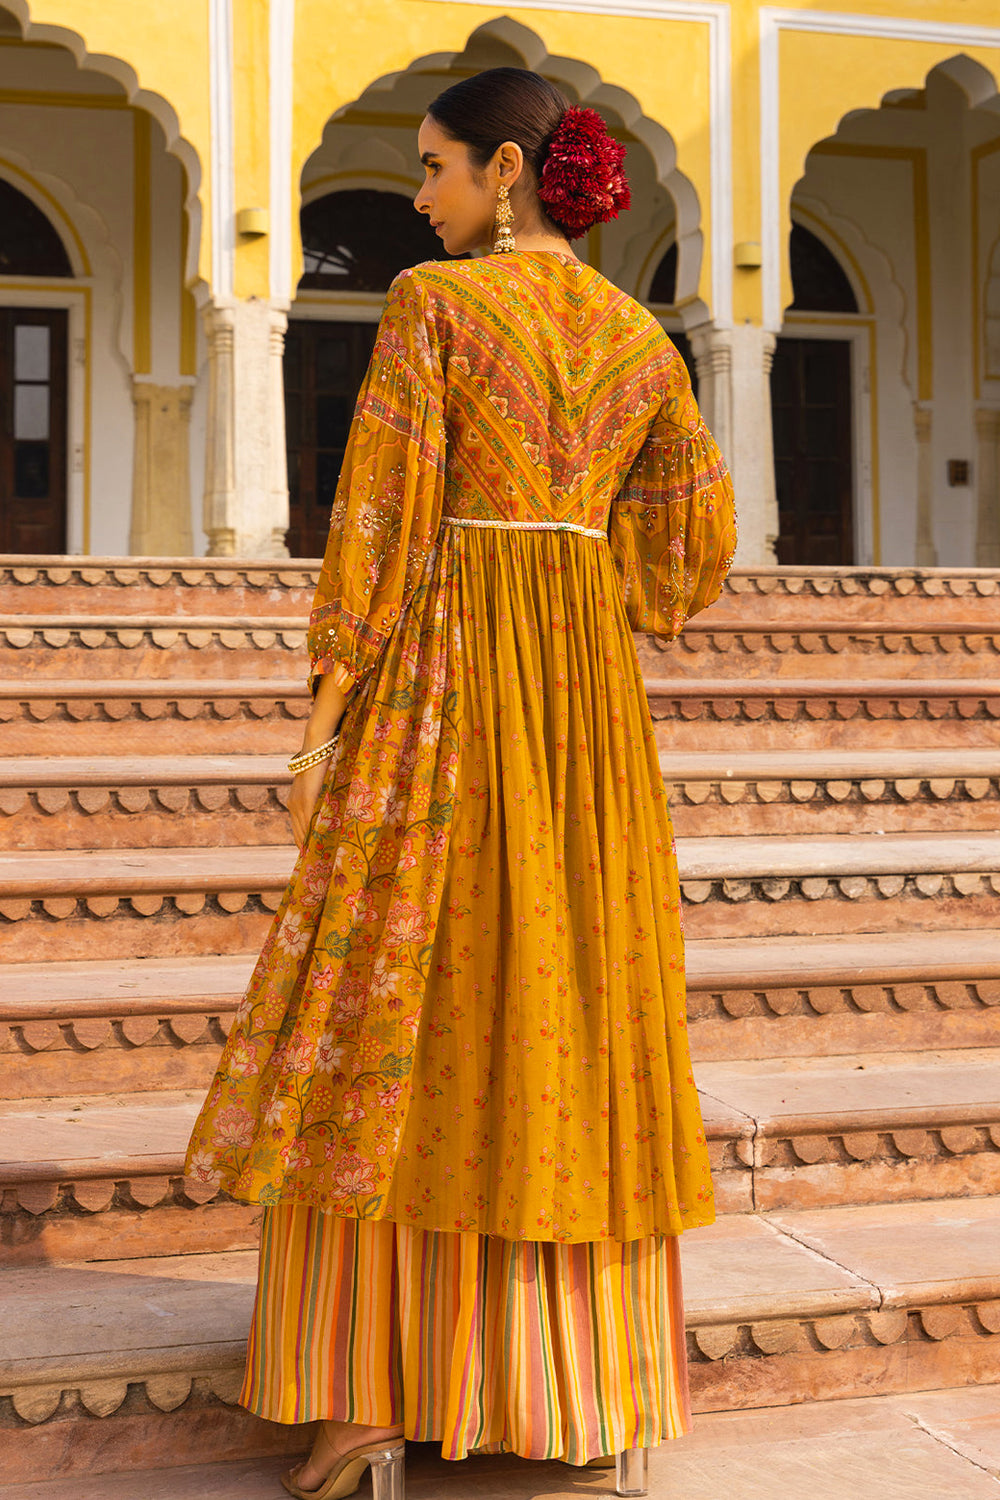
306, 759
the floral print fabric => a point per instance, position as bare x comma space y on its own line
469, 1013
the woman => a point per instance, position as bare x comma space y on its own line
459, 1081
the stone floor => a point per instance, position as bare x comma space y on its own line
937, 1445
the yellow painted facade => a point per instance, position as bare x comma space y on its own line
143, 130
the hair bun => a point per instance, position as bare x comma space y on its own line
583, 181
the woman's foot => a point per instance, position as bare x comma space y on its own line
333, 1440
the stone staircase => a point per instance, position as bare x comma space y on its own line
832, 744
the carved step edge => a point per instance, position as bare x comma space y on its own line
163, 572
884, 1155
730, 701
264, 895
927, 1343
158, 572
46, 789
827, 789
875, 976
112, 1208
826, 1344
28, 634
703, 633
791, 701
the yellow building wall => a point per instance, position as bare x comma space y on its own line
166, 46
855, 73
251, 166
339, 51
660, 63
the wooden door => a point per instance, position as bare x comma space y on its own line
325, 363
33, 429
811, 416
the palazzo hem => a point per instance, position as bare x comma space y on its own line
483, 1345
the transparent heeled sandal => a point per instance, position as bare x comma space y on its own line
631, 1471
387, 1473
385, 1461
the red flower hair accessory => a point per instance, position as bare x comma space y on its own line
583, 181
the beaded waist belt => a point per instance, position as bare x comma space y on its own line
525, 526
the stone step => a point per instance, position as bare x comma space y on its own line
154, 717
829, 995
199, 585
831, 791
837, 883
140, 1024
101, 1178
813, 1133
77, 802
145, 1356
134, 1024
810, 714
807, 646
130, 646
774, 595
905, 1447
114, 802
205, 716
842, 1301
176, 586
60, 646
140, 903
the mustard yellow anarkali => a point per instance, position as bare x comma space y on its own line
469, 1014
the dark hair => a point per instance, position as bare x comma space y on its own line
503, 104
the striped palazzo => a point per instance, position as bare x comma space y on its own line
481, 1344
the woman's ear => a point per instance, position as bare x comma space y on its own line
509, 163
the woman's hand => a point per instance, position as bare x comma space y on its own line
306, 789
327, 712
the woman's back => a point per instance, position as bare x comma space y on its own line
551, 378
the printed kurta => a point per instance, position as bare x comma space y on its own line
469, 1013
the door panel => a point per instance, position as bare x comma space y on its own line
33, 429
325, 364
813, 463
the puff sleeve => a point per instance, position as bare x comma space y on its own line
672, 526
387, 508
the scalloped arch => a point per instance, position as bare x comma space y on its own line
84, 233
871, 274
154, 104
504, 42
976, 82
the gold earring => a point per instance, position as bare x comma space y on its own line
503, 242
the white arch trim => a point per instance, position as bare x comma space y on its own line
50, 195
774, 20
153, 104
716, 17
220, 60
85, 236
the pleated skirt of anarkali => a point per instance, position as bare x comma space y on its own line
513, 1282
548, 1351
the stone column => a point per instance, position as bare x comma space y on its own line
988, 487
735, 366
925, 553
713, 357
161, 484
276, 446
220, 435
246, 484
